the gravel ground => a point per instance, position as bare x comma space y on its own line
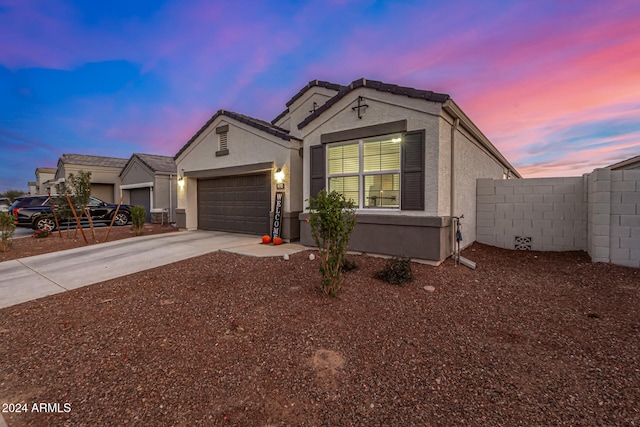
69, 239
528, 338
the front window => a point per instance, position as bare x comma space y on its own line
366, 171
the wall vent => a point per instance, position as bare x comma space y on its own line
522, 243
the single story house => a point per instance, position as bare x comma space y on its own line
150, 180
105, 173
44, 176
408, 158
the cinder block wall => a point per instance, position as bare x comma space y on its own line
545, 214
598, 213
624, 235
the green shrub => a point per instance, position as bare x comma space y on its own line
332, 220
138, 215
349, 265
7, 227
396, 271
40, 234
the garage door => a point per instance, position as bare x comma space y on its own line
141, 197
103, 192
238, 204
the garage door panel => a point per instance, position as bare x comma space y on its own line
236, 203
141, 197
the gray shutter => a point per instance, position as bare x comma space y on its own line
412, 171
317, 170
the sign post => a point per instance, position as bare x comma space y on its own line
277, 215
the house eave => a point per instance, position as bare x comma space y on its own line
454, 110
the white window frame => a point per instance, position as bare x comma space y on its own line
361, 174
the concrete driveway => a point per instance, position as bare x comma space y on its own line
35, 277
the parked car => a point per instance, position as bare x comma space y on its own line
35, 212
4, 204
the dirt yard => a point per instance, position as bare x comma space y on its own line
58, 241
528, 338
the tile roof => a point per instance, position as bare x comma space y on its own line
83, 159
379, 86
253, 122
312, 83
157, 163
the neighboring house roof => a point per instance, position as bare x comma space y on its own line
625, 163
46, 170
253, 122
377, 85
155, 162
83, 159
32, 183
312, 83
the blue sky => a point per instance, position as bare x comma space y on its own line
554, 85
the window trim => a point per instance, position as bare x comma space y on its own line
361, 174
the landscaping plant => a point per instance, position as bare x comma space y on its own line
349, 265
396, 271
40, 234
78, 187
7, 227
138, 215
332, 219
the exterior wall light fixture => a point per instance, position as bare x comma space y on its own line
181, 179
279, 176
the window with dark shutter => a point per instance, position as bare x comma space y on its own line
412, 185
317, 170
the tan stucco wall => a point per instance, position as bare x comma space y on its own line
247, 146
302, 106
99, 175
471, 163
41, 178
136, 172
383, 108
165, 193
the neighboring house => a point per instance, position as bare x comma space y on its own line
632, 163
408, 158
44, 176
33, 188
150, 180
105, 173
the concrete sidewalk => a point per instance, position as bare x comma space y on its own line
35, 277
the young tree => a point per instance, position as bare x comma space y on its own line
78, 187
332, 219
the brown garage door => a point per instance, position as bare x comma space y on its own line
235, 203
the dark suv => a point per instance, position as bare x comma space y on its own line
35, 212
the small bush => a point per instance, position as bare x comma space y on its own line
138, 215
349, 265
396, 271
7, 227
40, 234
332, 219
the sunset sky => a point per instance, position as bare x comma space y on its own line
554, 84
